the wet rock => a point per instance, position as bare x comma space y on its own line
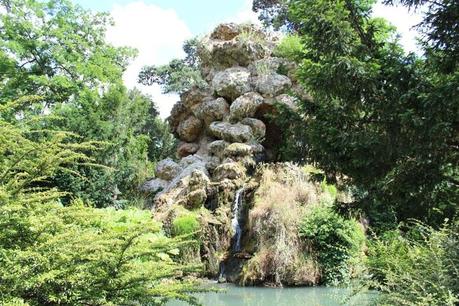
245, 106
185, 148
167, 169
189, 129
273, 84
231, 132
258, 127
232, 82
212, 110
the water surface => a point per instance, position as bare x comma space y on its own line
259, 296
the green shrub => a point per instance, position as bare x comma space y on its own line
185, 225
290, 47
336, 242
417, 268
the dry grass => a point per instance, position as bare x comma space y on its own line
281, 202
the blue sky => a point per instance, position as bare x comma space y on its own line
157, 29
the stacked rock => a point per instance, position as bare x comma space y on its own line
222, 128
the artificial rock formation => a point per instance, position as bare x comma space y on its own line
222, 129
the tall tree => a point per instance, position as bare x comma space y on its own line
386, 119
57, 51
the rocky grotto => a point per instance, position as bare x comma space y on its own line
225, 164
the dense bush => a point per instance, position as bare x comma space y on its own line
185, 224
76, 255
54, 255
420, 267
290, 47
338, 243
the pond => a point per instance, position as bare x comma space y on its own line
260, 296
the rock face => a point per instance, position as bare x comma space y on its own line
222, 132
232, 82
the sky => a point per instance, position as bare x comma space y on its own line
157, 29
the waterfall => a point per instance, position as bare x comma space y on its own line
235, 222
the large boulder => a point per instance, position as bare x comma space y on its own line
245, 106
212, 110
272, 84
167, 169
232, 82
189, 129
231, 132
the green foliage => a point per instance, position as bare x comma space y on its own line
290, 47
78, 256
179, 75
377, 114
55, 49
185, 225
337, 243
63, 58
420, 267
75, 255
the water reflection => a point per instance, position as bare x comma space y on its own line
253, 296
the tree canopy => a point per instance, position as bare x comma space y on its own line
386, 119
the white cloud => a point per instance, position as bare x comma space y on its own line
246, 14
404, 20
157, 34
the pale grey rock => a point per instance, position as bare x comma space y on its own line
232, 82
231, 132
212, 110
272, 85
167, 169
245, 106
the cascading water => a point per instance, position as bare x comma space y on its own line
235, 222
